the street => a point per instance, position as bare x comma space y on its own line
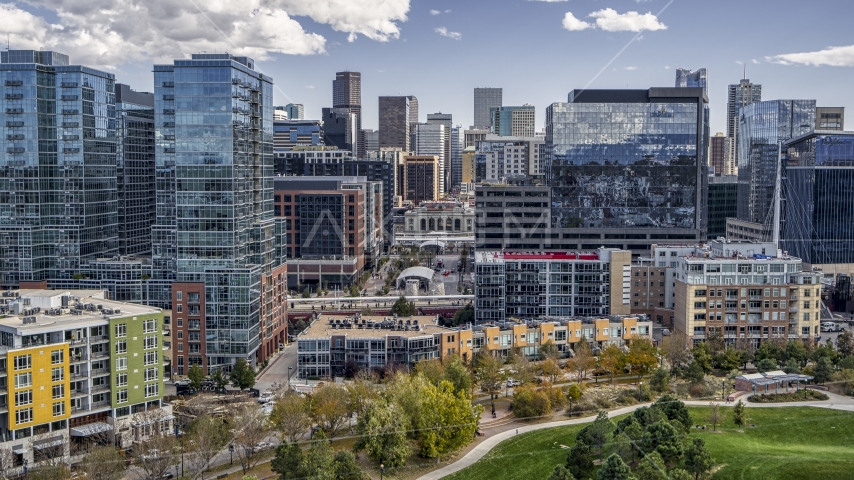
277, 372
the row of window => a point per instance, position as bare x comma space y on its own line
25, 362
25, 415
151, 390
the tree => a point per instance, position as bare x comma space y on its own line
382, 434
463, 316
489, 374
679, 474
599, 433
196, 374
548, 349
288, 462
523, 372
578, 460
403, 308
634, 432
551, 369
703, 356
674, 410
329, 408
448, 420
408, 393
623, 447
104, 462
573, 394
345, 467
219, 379
792, 366
694, 373
729, 359
738, 414
306, 293
290, 415
767, 364
53, 469
561, 473
641, 357
663, 438
716, 415
652, 467
361, 392
612, 360
252, 427
660, 381
153, 457
698, 460
242, 375
845, 343
797, 350
458, 374
823, 370
675, 351
319, 461
582, 360
432, 370
205, 437
614, 468
529, 402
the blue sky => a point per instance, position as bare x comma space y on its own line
522, 46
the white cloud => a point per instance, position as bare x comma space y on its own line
755, 61
448, 11
445, 33
310, 87
435, 12
106, 33
831, 56
667, 67
573, 24
739, 62
609, 20
630, 68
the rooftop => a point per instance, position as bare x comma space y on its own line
486, 257
372, 326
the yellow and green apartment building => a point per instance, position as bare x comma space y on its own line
76, 367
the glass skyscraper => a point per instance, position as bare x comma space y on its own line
485, 99
58, 192
630, 164
761, 126
697, 79
215, 233
817, 201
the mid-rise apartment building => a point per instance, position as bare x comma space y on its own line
551, 285
515, 218
422, 178
745, 292
291, 133
516, 121
499, 158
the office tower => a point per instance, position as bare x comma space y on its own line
347, 93
500, 158
446, 120
513, 121
413, 120
717, 155
516, 217
421, 176
485, 99
472, 136
830, 118
762, 126
290, 133
334, 226
295, 111
394, 122
58, 189
508, 285
468, 165
430, 140
372, 141
817, 204
339, 129
738, 96
722, 204
630, 164
456, 158
697, 79
215, 233
135, 169
280, 114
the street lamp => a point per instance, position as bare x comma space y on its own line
382, 471
723, 389
289, 376
231, 453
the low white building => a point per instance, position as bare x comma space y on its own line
440, 217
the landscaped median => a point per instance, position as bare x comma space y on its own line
804, 395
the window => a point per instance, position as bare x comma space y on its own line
179, 296
152, 390
151, 358
56, 356
122, 346
180, 322
122, 380
24, 397
24, 415
122, 363
180, 308
58, 409
150, 326
23, 362
122, 396
151, 342
23, 380
57, 374
59, 390
150, 374
121, 330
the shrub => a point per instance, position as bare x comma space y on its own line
801, 396
697, 391
627, 397
603, 403
529, 403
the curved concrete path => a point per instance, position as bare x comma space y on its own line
836, 402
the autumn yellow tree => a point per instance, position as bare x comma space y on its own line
612, 360
582, 360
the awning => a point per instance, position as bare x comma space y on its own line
153, 420
90, 429
48, 444
19, 450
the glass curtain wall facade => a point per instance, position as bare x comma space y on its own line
58, 191
761, 127
685, 78
484, 100
215, 225
630, 159
817, 200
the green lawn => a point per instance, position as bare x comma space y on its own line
787, 443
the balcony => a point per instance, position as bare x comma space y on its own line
69, 97
168, 84
15, 150
68, 84
14, 111
80, 358
70, 150
168, 111
99, 371
70, 111
99, 338
100, 388
16, 136
14, 96
793, 309
14, 124
168, 124
70, 124
731, 309
69, 138
168, 97
100, 354
101, 404
14, 83
78, 409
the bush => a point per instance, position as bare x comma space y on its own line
582, 409
801, 396
627, 397
603, 403
530, 403
556, 397
697, 391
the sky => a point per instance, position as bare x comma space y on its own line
439, 50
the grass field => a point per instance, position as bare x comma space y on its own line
786, 443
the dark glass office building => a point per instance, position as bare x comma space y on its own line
817, 203
722, 204
761, 127
630, 164
58, 200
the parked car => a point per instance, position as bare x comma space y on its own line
262, 447
512, 383
265, 397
